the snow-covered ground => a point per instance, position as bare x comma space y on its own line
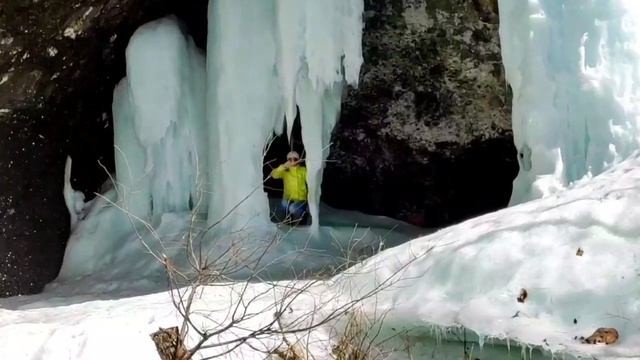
468, 275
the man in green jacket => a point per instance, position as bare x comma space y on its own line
294, 176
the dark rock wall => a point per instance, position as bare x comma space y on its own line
426, 136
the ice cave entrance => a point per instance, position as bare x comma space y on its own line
190, 133
275, 153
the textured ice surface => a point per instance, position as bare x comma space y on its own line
189, 134
160, 147
132, 182
243, 109
573, 66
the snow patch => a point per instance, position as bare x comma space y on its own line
71, 32
6, 40
52, 51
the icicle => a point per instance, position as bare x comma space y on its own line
73, 199
290, 23
318, 116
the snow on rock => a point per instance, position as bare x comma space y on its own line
573, 67
576, 253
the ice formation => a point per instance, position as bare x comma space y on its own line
189, 137
264, 58
74, 200
159, 122
190, 131
573, 66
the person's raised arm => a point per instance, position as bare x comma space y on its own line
278, 172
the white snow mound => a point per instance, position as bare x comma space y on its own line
471, 274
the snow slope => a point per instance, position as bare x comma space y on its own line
471, 274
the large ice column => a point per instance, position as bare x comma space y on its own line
318, 116
244, 106
332, 36
159, 121
573, 67
264, 58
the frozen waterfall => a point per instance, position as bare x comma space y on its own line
264, 58
190, 131
573, 66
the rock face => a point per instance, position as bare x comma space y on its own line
426, 137
59, 62
417, 140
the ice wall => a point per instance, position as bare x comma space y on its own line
159, 122
264, 58
243, 107
573, 67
